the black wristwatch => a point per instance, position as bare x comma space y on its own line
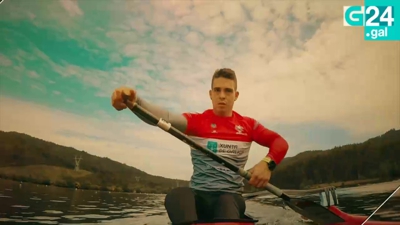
271, 163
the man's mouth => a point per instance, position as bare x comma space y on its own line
221, 103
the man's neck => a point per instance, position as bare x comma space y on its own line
225, 114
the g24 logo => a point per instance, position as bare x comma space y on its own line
354, 16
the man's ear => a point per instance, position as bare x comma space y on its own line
209, 93
236, 95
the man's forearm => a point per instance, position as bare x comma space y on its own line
177, 120
278, 149
278, 146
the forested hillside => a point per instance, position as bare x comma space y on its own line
375, 159
28, 159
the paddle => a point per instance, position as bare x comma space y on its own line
307, 208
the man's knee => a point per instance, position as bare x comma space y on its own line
180, 205
230, 206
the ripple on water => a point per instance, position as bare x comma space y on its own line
73, 211
87, 206
17, 217
35, 199
52, 212
5, 196
113, 212
44, 218
20, 206
93, 201
47, 222
155, 212
87, 216
57, 201
132, 210
389, 214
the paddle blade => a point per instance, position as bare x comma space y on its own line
314, 211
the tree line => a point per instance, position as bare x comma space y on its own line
376, 158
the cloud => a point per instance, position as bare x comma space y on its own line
38, 87
72, 7
5, 61
69, 100
33, 75
298, 69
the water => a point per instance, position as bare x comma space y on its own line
37, 204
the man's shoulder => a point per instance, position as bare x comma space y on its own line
241, 117
205, 113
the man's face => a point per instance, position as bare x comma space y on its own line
223, 95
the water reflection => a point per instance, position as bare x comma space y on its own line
53, 205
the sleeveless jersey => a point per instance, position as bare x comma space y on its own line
228, 137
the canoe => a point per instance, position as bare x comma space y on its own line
245, 221
358, 220
226, 223
349, 218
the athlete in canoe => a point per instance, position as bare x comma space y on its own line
215, 192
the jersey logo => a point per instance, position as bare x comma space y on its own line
213, 126
224, 148
239, 130
213, 146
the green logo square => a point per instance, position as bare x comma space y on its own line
213, 146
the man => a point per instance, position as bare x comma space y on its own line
215, 191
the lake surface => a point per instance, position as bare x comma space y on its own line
37, 204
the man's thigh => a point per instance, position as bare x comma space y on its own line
229, 206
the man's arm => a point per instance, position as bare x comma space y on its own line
177, 120
278, 146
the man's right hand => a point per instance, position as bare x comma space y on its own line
117, 100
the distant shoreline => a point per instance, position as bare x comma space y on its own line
32, 160
72, 188
344, 184
350, 183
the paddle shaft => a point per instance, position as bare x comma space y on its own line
161, 123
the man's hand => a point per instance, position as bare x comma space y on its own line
116, 98
260, 175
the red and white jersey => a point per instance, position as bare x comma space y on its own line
230, 138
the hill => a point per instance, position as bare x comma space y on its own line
377, 159
29, 159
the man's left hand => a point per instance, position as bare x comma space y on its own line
260, 175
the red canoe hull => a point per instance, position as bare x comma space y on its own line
358, 220
350, 220
225, 223
246, 221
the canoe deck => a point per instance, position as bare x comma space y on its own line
245, 221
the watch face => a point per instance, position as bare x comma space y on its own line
271, 165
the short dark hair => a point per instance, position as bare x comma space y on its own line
225, 73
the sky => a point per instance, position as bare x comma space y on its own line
300, 73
